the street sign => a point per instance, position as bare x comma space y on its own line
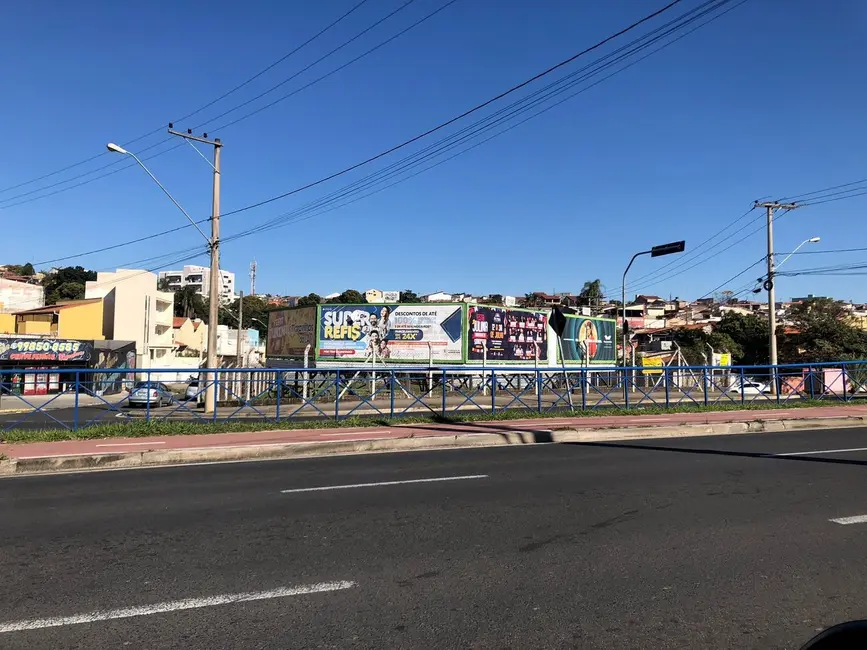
652, 365
558, 320
668, 249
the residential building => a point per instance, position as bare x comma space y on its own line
199, 277
438, 296
134, 310
373, 295
20, 296
73, 319
191, 334
227, 342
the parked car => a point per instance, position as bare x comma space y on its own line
750, 387
153, 393
193, 391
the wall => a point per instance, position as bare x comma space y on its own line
38, 324
195, 338
7, 324
20, 296
82, 321
140, 313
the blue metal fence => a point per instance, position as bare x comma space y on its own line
77, 398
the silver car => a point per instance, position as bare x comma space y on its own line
153, 393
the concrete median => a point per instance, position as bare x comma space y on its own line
410, 442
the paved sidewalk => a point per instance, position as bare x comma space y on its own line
282, 438
27, 403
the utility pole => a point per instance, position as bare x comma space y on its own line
214, 295
238, 353
772, 207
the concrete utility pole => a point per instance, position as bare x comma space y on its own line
239, 355
771, 207
214, 294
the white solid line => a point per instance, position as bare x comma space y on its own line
172, 606
353, 433
860, 519
822, 451
130, 444
364, 485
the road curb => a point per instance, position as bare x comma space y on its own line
502, 437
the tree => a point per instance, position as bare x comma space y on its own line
163, 285
494, 299
750, 333
66, 283
190, 304
310, 300
24, 270
823, 333
532, 300
407, 295
591, 292
350, 296
255, 314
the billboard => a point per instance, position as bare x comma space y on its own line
390, 333
499, 334
15, 349
595, 336
290, 331
391, 296
652, 365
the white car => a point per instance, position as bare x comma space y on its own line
751, 388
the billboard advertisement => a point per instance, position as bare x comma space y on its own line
52, 350
595, 337
290, 331
498, 334
390, 333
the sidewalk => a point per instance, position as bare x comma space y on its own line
135, 452
27, 403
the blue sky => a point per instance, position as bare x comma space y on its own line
765, 101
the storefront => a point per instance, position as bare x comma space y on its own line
52, 356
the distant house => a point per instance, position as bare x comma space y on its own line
373, 295
439, 296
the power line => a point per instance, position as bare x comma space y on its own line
734, 277
342, 193
316, 62
453, 140
233, 122
800, 197
198, 110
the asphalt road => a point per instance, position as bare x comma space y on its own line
714, 542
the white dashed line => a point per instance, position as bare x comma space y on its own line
384, 483
858, 519
172, 606
822, 451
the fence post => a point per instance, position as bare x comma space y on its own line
583, 389
704, 384
279, 392
538, 391
391, 390
778, 384
625, 381
811, 378
337, 394
667, 382
216, 391
742, 386
493, 391
75, 409
845, 383
148, 398
443, 389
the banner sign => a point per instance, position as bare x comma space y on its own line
390, 296
723, 359
498, 334
390, 333
652, 365
590, 340
45, 350
290, 331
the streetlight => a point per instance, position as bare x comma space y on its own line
772, 305
656, 251
213, 248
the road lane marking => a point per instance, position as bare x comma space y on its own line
130, 444
822, 451
354, 433
172, 606
858, 519
384, 483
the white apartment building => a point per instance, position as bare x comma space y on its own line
20, 296
134, 310
200, 278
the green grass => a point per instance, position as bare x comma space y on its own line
143, 429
